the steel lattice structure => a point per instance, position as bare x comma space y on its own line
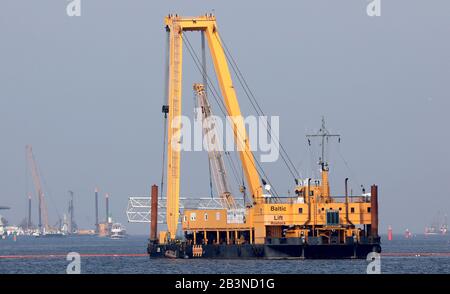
138, 208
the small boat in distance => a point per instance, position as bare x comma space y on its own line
117, 231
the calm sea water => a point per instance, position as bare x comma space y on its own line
142, 264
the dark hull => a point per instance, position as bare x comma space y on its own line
269, 251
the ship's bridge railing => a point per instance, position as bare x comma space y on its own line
138, 208
351, 199
334, 199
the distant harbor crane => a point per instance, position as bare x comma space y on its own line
42, 207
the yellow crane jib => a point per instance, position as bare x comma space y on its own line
215, 155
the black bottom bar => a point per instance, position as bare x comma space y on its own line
280, 251
242, 282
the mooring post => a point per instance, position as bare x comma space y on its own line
154, 214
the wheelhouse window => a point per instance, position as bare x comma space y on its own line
332, 217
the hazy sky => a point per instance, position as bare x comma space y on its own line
86, 92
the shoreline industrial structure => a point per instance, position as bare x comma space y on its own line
311, 224
67, 225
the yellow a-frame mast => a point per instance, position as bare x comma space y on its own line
176, 25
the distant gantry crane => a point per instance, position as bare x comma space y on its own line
42, 207
72, 227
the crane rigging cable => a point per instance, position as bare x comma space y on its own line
166, 68
284, 155
220, 103
165, 109
354, 175
266, 221
42, 207
209, 82
49, 193
233, 167
163, 155
254, 102
203, 41
196, 105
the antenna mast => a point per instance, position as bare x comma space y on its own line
324, 134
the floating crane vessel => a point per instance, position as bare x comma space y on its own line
310, 224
